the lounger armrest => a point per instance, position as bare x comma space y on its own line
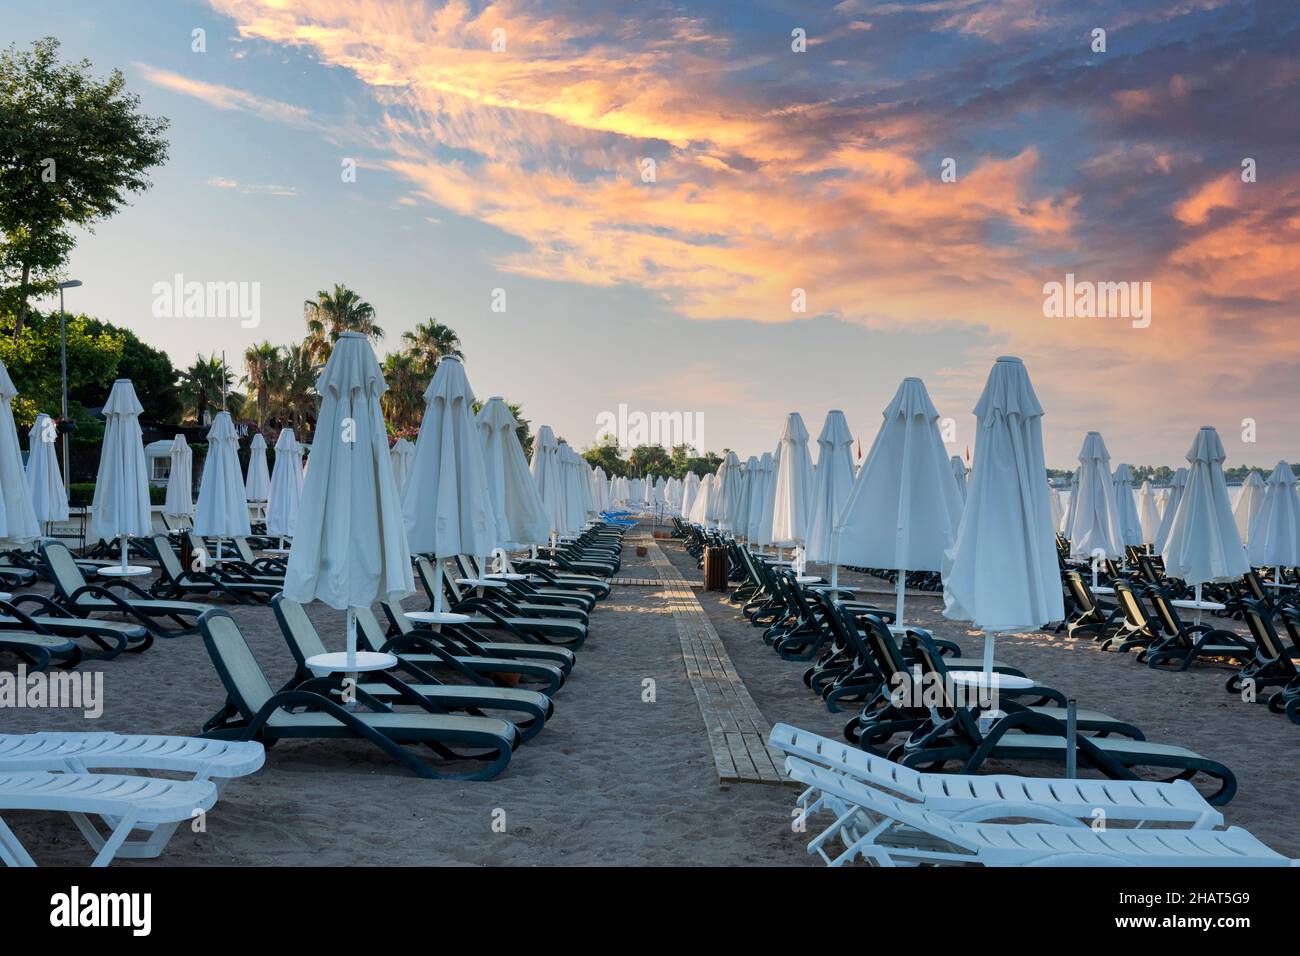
21, 616
1031, 811
47, 605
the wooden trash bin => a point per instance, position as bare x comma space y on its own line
715, 569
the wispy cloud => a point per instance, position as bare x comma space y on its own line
251, 189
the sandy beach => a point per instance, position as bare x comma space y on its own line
612, 779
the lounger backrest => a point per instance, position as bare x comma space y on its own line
1291, 618
1261, 628
167, 560
883, 648
1133, 612
397, 615
846, 758
64, 572
369, 634
244, 550
1080, 592
299, 632
197, 546
1173, 624
880, 804
235, 663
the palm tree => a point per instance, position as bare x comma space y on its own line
295, 396
430, 342
264, 366
332, 313
203, 386
403, 402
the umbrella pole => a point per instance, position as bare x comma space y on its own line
352, 636
902, 589
1071, 745
1198, 605
437, 584
988, 658
835, 576
122, 539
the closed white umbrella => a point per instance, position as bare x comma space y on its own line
690, 487
222, 511
573, 479
120, 507
1096, 516
792, 509
960, 476
1148, 513
904, 508
760, 495
1275, 532
832, 484
447, 505
1249, 500
1054, 499
765, 536
701, 506
725, 489
549, 477
1174, 499
1130, 525
401, 454
1203, 544
1001, 573
18, 524
600, 488
350, 548
179, 502
49, 497
286, 487
1066, 526
520, 515
257, 477
748, 481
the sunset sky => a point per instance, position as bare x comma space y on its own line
522, 169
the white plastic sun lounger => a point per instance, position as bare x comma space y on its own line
216, 760
975, 797
131, 801
890, 832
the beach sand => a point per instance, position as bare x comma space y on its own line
613, 779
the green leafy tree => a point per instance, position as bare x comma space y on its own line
430, 342
151, 373
605, 455
331, 314
203, 387
72, 148
32, 358
264, 371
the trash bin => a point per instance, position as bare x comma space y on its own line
715, 569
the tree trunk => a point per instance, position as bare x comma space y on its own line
22, 302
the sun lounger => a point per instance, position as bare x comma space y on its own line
888, 831
84, 599
36, 613
484, 615
1003, 796
175, 580
952, 734
130, 801
304, 642
457, 648
259, 713
217, 760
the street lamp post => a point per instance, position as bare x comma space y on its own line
63, 357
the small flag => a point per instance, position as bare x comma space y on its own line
859, 448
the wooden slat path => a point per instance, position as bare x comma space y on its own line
737, 729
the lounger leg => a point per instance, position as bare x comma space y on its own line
118, 837
12, 852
